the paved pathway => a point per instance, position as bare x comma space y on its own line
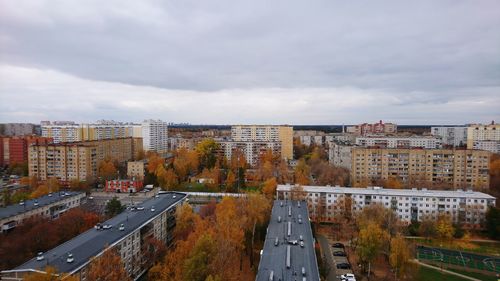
446, 271
327, 253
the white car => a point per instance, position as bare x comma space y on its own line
140, 208
107, 226
348, 277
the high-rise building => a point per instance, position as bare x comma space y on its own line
340, 155
266, 133
483, 137
447, 167
78, 160
155, 135
18, 129
252, 150
15, 149
375, 128
101, 130
453, 136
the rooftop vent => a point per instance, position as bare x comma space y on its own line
40, 256
70, 258
271, 276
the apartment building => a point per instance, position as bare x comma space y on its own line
19, 129
340, 155
51, 206
135, 169
452, 136
266, 133
123, 186
129, 233
325, 202
15, 149
400, 142
78, 160
483, 137
155, 135
454, 168
252, 150
375, 128
101, 130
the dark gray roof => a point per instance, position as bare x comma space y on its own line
29, 205
273, 257
92, 242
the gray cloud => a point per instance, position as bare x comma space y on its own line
310, 62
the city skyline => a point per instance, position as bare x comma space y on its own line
431, 62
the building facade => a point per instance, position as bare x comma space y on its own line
340, 155
123, 186
78, 160
324, 202
451, 168
14, 150
483, 136
266, 133
135, 169
19, 129
400, 142
373, 129
452, 136
101, 130
252, 150
155, 135
51, 206
131, 234
491, 146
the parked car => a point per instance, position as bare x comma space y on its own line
338, 245
343, 266
339, 254
348, 277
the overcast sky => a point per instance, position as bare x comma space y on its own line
229, 61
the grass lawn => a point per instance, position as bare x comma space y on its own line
486, 248
474, 275
426, 274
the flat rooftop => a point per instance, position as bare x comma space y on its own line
374, 190
93, 241
274, 257
15, 209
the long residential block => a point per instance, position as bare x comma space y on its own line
326, 202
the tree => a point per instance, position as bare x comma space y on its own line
49, 274
493, 223
6, 197
302, 173
107, 267
269, 188
393, 183
197, 265
40, 191
427, 227
256, 207
370, 241
207, 150
154, 160
114, 207
186, 221
167, 179
185, 163
444, 227
230, 181
400, 255
106, 169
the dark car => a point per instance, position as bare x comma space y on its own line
343, 266
338, 245
339, 254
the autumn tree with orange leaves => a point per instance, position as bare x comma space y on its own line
107, 267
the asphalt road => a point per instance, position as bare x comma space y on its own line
327, 254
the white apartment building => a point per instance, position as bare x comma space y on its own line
483, 136
454, 136
492, 146
340, 155
324, 202
400, 142
155, 135
62, 133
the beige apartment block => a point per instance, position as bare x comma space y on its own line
478, 135
266, 133
447, 167
135, 169
78, 160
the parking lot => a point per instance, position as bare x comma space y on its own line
333, 260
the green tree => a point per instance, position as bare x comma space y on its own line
493, 222
114, 207
196, 267
207, 152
